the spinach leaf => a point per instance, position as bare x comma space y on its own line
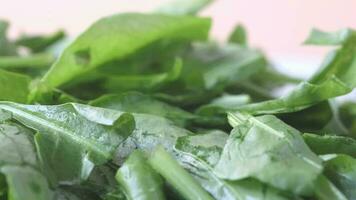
135, 102
39, 43
147, 82
13, 86
6, 47
239, 36
303, 96
222, 104
347, 113
264, 148
333, 79
183, 7
150, 131
32, 61
199, 153
326, 190
208, 69
329, 144
79, 135
139, 180
341, 169
115, 37
19, 164
181, 180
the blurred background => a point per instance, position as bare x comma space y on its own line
279, 27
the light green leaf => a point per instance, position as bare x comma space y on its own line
149, 132
18, 163
116, 37
139, 180
181, 180
335, 78
183, 7
79, 135
32, 61
318, 37
303, 96
13, 87
199, 153
222, 104
269, 150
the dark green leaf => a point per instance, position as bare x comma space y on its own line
6, 47
139, 103
146, 82
341, 170
38, 43
326, 190
238, 36
329, 144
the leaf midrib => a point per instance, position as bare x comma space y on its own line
48, 124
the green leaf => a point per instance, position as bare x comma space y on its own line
318, 37
329, 144
265, 148
238, 36
208, 69
311, 119
340, 63
79, 135
199, 153
326, 190
233, 64
335, 78
207, 146
32, 61
150, 131
341, 170
38, 43
126, 33
135, 102
6, 47
18, 163
139, 180
146, 82
181, 180
347, 113
183, 7
13, 87
222, 104
303, 96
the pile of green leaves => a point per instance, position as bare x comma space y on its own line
147, 107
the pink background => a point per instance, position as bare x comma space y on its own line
277, 26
